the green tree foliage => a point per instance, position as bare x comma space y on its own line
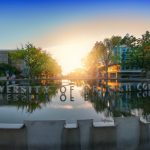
32, 103
102, 53
37, 61
137, 56
139, 52
116, 40
6, 67
92, 58
128, 40
144, 46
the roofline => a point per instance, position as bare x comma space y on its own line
7, 50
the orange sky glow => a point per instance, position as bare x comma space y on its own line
70, 44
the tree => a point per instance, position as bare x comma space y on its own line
37, 61
92, 59
139, 53
128, 40
106, 57
144, 46
6, 67
102, 54
116, 40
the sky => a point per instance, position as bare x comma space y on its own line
68, 29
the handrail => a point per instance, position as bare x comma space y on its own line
81, 78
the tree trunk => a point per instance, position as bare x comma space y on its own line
106, 76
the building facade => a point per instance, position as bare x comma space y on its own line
4, 56
120, 67
19, 63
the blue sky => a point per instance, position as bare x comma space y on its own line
62, 25
23, 20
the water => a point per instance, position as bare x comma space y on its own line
71, 102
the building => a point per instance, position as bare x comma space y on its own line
19, 64
4, 56
120, 68
126, 71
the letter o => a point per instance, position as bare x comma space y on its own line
63, 97
63, 89
144, 94
145, 86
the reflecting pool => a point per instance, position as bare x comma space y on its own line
72, 101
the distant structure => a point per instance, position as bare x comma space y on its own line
4, 56
19, 63
120, 69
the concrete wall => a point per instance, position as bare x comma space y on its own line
13, 139
127, 134
4, 56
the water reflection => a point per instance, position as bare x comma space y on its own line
118, 103
32, 99
71, 98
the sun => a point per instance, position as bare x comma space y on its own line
69, 56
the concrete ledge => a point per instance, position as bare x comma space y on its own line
66, 125
71, 125
126, 133
11, 126
103, 124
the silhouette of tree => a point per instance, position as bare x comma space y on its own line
37, 61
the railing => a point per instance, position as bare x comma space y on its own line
78, 78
